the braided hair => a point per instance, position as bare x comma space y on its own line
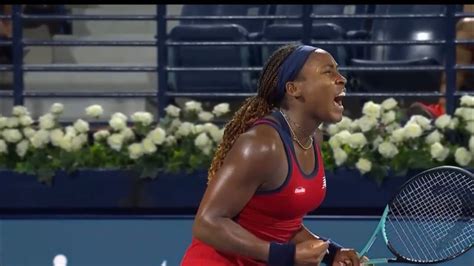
253, 108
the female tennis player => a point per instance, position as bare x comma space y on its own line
268, 172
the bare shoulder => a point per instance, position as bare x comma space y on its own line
260, 141
254, 154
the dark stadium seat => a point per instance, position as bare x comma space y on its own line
254, 27
209, 56
291, 30
351, 24
216, 56
322, 29
403, 55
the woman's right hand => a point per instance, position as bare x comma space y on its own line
310, 252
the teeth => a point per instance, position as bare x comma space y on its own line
342, 94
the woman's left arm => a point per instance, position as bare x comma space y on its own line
302, 235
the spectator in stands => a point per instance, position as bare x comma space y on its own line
268, 172
465, 56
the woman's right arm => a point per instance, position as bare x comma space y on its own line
251, 162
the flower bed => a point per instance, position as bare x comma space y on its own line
380, 142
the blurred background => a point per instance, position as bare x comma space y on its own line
132, 58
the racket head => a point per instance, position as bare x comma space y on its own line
430, 219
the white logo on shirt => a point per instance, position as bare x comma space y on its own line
324, 181
300, 190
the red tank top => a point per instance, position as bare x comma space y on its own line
271, 215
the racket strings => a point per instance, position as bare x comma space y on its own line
432, 217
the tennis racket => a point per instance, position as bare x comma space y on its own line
430, 219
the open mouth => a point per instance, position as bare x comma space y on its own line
338, 99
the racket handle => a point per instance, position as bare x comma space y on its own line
376, 261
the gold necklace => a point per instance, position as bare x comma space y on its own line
294, 135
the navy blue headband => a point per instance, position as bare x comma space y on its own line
291, 67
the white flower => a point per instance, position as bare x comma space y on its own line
66, 142
345, 123
389, 104
392, 127
454, 123
26, 120
371, 109
433, 137
467, 113
412, 130
40, 138
343, 136
205, 116
366, 123
422, 121
135, 151
398, 135
388, 117
157, 135
202, 141
207, 150
12, 122
70, 130
56, 136
12, 135
3, 147
193, 106
221, 109
20, 110
377, 141
172, 110
458, 111
439, 152
332, 129
117, 123
334, 142
199, 128
364, 165
215, 132
471, 144
175, 124
78, 142
115, 141
170, 140
387, 149
462, 156
148, 146
127, 134
81, 126
443, 121
47, 121
340, 156
28, 132
3, 122
467, 100
357, 140
470, 127
94, 111
145, 118
217, 135
120, 116
185, 129
57, 108
22, 148
101, 134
